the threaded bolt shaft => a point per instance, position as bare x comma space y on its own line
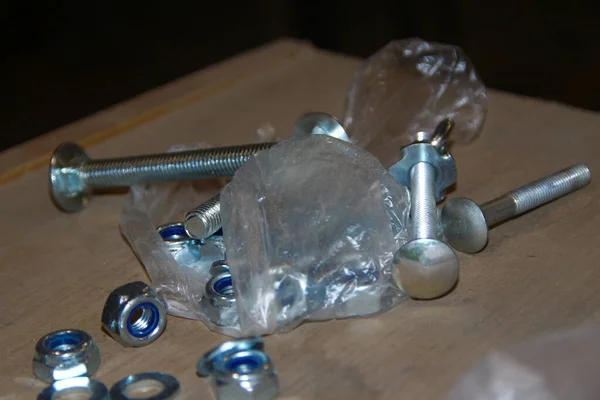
535, 194
423, 209
186, 165
204, 220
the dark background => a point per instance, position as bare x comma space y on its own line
63, 60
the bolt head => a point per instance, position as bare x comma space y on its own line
319, 124
68, 188
426, 268
464, 225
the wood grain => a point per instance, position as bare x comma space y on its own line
539, 273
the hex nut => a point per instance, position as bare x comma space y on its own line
247, 374
64, 354
218, 303
134, 315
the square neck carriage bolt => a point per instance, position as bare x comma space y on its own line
466, 224
204, 220
426, 267
73, 175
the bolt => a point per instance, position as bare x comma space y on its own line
466, 224
426, 267
204, 220
73, 175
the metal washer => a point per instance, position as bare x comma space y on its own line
97, 389
170, 386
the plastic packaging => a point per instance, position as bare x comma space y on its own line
560, 365
310, 229
407, 87
179, 277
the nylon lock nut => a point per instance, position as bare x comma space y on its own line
64, 354
134, 315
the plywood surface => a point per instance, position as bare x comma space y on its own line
539, 273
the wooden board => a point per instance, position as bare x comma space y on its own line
539, 273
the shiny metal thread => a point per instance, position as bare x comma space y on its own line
423, 210
204, 220
186, 165
550, 188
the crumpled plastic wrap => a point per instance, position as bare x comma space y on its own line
178, 277
407, 87
555, 366
310, 229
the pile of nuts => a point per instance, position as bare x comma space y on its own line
134, 315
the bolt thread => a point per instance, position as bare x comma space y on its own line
423, 210
204, 220
550, 188
186, 165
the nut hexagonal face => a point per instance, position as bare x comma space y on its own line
64, 354
134, 315
244, 375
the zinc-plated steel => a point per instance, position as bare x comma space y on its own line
218, 303
73, 175
466, 224
175, 236
134, 315
426, 267
65, 354
240, 370
204, 220
167, 384
75, 388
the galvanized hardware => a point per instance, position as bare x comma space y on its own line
466, 224
204, 220
240, 370
319, 124
218, 267
175, 236
147, 382
64, 354
205, 364
75, 388
73, 175
426, 267
134, 315
218, 303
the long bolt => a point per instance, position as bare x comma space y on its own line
204, 220
73, 174
427, 268
466, 224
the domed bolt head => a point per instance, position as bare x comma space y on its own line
464, 225
68, 187
426, 268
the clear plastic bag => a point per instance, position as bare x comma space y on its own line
310, 229
408, 87
179, 277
